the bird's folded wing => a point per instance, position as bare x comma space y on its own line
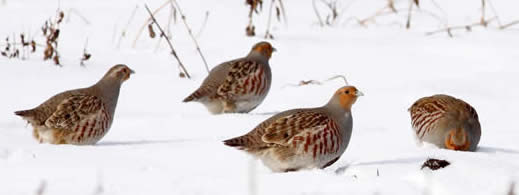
243, 77
73, 110
282, 130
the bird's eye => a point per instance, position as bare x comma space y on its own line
347, 92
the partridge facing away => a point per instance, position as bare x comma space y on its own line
303, 138
446, 122
237, 86
80, 116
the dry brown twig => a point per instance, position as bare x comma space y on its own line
409, 13
390, 9
382, 11
333, 15
173, 52
316, 11
86, 56
267, 33
76, 12
206, 18
190, 32
483, 22
316, 82
141, 29
253, 8
123, 32
280, 11
51, 32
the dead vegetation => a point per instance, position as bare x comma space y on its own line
183, 72
435, 164
332, 11
484, 21
50, 30
316, 82
183, 17
255, 7
151, 24
489, 17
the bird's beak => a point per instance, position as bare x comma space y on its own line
359, 93
274, 49
132, 71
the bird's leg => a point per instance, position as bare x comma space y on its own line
290, 170
36, 134
228, 106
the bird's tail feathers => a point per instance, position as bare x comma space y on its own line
28, 115
198, 94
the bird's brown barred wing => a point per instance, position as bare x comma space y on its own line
245, 77
76, 110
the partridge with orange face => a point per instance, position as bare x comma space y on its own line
237, 86
80, 116
446, 122
303, 138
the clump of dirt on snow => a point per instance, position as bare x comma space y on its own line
435, 164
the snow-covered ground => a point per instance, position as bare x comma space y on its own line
158, 145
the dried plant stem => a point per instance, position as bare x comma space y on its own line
469, 27
494, 12
147, 22
509, 24
173, 52
203, 24
75, 11
372, 17
321, 23
283, 11
316, 82
267, 33
190, 32
482, 20
408, 23
123, 33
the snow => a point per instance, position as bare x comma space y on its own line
159, 145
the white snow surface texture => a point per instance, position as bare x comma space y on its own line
159, 145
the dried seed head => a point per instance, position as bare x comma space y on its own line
60, 17
250, 31
278, 14
151, 31
48, 52
33, 46
56, 60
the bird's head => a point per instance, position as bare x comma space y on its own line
119, 73
263, 48
345, 97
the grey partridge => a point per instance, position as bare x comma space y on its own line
303, 138
80, 116
237, 86
446, 122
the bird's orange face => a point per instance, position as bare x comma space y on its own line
457, 139
121, 72
264, 48
348, 96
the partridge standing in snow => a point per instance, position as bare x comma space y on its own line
446, 122
303, 138
237, 86
79, 116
